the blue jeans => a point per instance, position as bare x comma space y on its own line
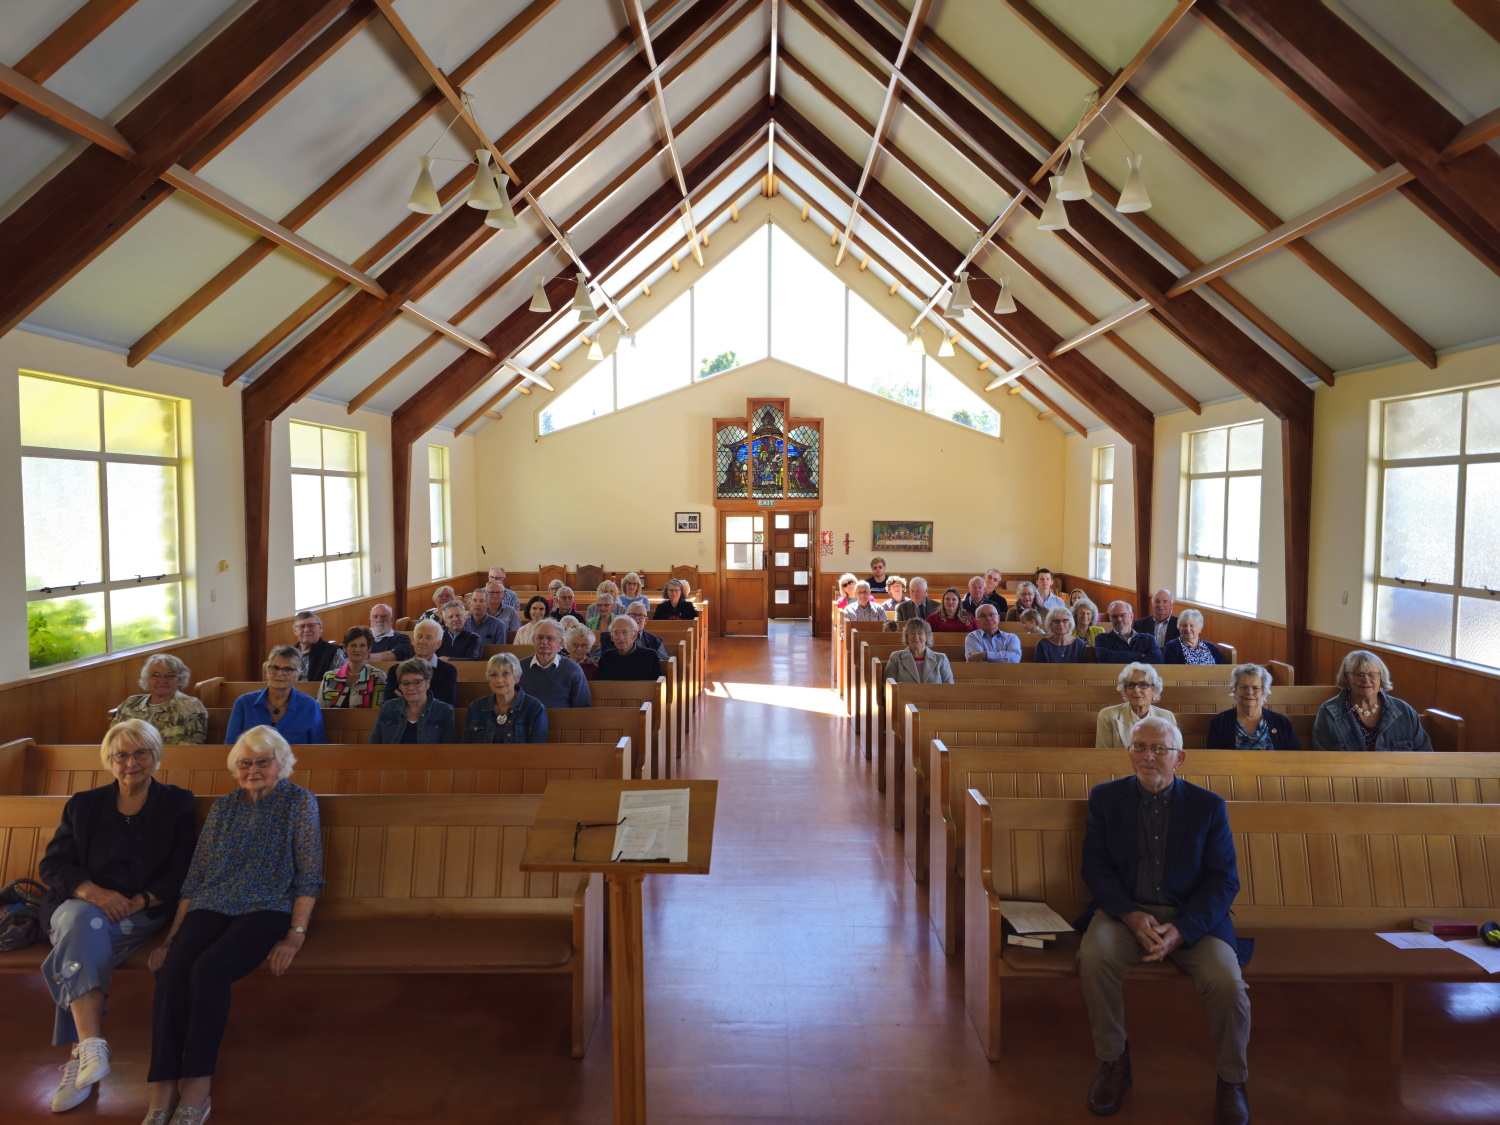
86, 948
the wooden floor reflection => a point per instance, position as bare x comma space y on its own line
798, 982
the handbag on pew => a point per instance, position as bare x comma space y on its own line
20, 914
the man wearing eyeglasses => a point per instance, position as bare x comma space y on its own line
1125, 644
1159, 859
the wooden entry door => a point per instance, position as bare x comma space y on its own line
790, 564
742, 551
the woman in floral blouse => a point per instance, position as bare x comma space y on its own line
356, 684
180, 719
248, 896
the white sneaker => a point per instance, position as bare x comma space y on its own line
68, 1094
93, 1061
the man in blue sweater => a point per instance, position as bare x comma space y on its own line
1125, 645
551, 677
1159, 859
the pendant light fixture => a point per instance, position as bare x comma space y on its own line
1075, 177
595, 351
946, 347
482, 193
424, 197
502, 217
539, 302
581, 298
1005, 303
1133, 195
962, 298
1054, 215
914, 342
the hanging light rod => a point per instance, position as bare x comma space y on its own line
994, 229
1013, 375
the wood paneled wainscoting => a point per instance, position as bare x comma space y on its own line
72, 704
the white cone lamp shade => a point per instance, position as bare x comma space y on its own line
424, 197
1133, 195
483, 194
1075, 178
946, 347
1006, 302
962, 298
581, 298
914, 343
502, 217
588, 315
595, 351
539, 302
1054, 215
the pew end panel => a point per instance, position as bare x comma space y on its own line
1445, 730
983, 936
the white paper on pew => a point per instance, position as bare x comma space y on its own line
1033, 918
643, 808
637, 843
1487, 957
1414, 939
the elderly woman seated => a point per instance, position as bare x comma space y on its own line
180, 719
1140, 686
552, 588
1085, 621
674, 605
536, 611
1059, 646
625, 659
413, 714
895, 590
951, 617
1188, 647
846, 590
1026, 598
113, 869
294, 714
426, 639
357, 683
459, 643
1249, 724
1363, 716
863, 607
507, 714
605, 609
578, 643
247, 899
1031, 621
440, 597
918, 663
632, 590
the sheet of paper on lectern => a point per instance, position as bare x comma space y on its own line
1414, 939
1487, 957
1033, 918
653, 825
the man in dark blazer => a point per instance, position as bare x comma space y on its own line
920, 606
1159, 860
1124, 644
1162, 623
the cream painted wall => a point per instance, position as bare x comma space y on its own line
461, 504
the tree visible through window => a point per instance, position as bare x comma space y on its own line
100, 485
327, 543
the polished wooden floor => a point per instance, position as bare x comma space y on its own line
798, 982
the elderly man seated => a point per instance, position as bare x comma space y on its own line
1162, 622
1124, 644
440, 597
319, 657
508, 597
918, 604
989, 642
499, 600
1159, 859
550, 676
458, 642
490, 630
426, 639
389, 644
625, 659
637, 613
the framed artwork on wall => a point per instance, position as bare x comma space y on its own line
687, 521
901, 535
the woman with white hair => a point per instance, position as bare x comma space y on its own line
579, 642
918, 662
1364, 716
1249, 724
180, 719
280, 705
114, 869
863, 607
605, 610
1140, 686
247, 898
1026, 598
1188, 647
507, 714
632, 590
1059, 646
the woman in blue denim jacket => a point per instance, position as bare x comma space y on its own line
507, 714
414, 715
1362, 716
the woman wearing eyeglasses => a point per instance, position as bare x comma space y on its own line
114, 869
293, 714
1140, 687
180, 719
247, 899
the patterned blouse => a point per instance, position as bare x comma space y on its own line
257, 855
1200, 654
367, 690
1259, 739
1369, 734
182, 720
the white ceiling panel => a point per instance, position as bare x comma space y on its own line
1111, 33
587, 176
839, 72
1439, 45
695, 85
35, 151
28, 22
1179, 362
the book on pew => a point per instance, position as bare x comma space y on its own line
1445, 927
1033, 919
1030, 941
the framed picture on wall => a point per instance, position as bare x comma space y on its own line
901, 535
687, 521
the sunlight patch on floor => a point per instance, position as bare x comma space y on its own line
820, 700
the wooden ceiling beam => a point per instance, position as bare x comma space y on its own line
46, 238
1485, 13
1480, 131
1100, 327
461, 231
66, 40
21, 90
1392, 108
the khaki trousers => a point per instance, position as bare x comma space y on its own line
1110, 950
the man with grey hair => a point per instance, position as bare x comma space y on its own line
989, 642
639, 614
508, 597
920, 606
1163, 621
495, 595
389, 644
1159, 859
625, 659
426, 639
1125, 644
556, 681
318, 656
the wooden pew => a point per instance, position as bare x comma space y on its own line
30, 769
416, 883
1270, 775
1317, 881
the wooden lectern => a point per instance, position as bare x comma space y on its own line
550, 847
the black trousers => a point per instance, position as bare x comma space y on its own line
191, 1008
